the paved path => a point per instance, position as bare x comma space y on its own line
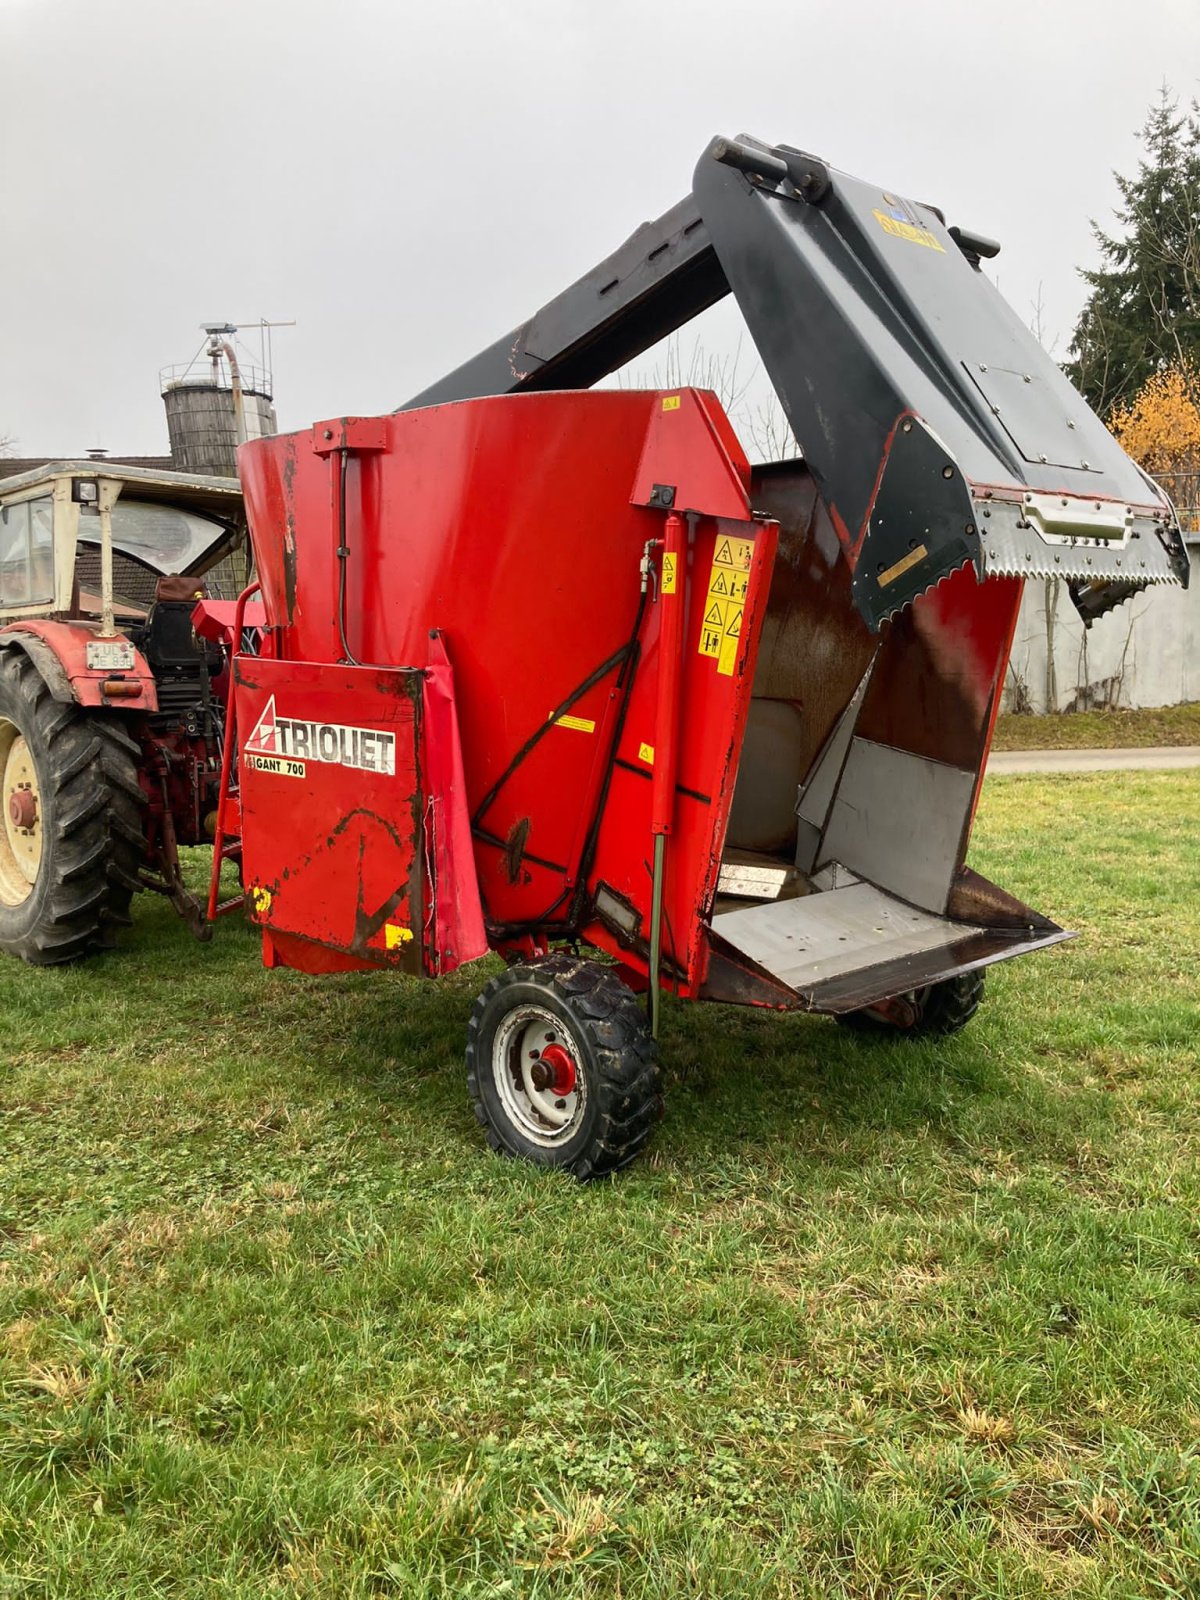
1154, 758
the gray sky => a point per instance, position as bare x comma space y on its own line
408, 181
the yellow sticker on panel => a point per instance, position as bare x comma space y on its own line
668, 572
907, 230
727, 583
902, 566
671, 402
580, 724
710, 640
646, 754
734, 553
395, 937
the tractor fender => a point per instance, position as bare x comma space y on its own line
59, 652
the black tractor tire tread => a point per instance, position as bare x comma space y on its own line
952, 1004
628, 1083
947, 1008
88, 769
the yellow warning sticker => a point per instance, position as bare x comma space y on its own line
580, 724
260, 899
906, 230
725, 601
646, 754
395, 936
668, 572
733, 553
902, 566
671, 402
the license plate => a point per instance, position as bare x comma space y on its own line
109, 655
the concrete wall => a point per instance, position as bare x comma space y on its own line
1144, 653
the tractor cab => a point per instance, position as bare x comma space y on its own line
111, 709
55, 523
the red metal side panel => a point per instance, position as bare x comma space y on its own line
506, 525
454, 930
69, 641
331, 811
728, 577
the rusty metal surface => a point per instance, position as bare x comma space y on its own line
815, 646
974, 899
854, 990
734, 979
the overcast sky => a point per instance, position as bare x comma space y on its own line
408, 181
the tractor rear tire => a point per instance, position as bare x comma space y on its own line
561, 1067
942, 1009
71, 837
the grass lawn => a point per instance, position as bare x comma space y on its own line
1101, 730
870, 1320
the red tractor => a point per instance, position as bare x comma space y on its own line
111, 710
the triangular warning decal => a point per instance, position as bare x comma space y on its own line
714, 617
719, 585
265, 734
724, 555
735, 625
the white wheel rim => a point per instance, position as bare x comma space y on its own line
545, 1113
20, 817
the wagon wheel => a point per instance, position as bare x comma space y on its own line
70, 821
940, 1009
561, 1067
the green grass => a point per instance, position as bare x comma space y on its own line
871, 1319
1101, 730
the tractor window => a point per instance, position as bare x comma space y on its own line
27, 553
165, 538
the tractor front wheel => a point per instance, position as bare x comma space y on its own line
938, 1010
561, 1067
70, 821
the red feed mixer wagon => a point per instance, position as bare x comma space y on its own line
548, 670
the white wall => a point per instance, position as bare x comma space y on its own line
1143, 653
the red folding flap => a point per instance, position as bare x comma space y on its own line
454, 927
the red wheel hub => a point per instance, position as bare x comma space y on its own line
561, 1074
22, 808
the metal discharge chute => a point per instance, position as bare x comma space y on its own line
938, 430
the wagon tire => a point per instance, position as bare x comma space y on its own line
71, 838
561, 1067
943, 1008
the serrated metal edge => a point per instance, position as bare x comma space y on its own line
1048, 568
928, 589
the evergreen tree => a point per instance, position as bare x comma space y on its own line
1143, 311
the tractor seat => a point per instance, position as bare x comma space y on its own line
168, 638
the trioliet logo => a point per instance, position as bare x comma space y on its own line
284, 744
